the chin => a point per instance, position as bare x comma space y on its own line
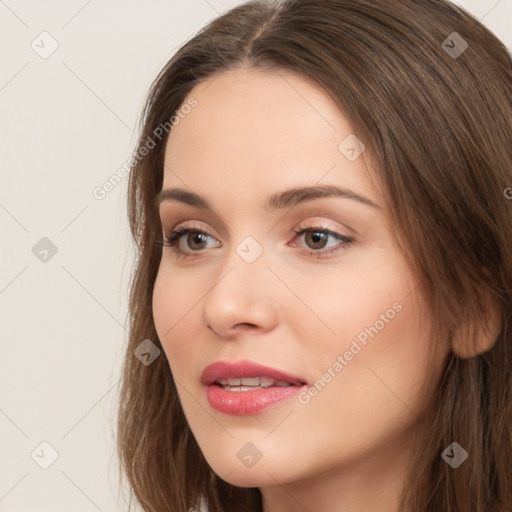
233, 469
244, 477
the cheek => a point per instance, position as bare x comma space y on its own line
174, 300
367, 293
380, 363
380, 332
176, 295
375, 395
164, 307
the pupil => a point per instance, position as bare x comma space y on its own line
196, 237
317, 236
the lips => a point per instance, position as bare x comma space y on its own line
247, 373
245, 387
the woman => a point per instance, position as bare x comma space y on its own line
323, 283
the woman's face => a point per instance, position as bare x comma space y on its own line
338, 311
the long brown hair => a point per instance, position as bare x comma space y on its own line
434, 109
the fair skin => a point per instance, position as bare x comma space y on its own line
253, 134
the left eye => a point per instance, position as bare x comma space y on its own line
316, 238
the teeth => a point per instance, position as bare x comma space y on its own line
266, 382
240, 388
248, 383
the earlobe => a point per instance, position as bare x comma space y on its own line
479, 334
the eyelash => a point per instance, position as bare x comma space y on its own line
171, 240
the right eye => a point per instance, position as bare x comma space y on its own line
193, 237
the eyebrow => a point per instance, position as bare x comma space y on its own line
279, 200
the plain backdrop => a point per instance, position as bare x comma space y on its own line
73, 76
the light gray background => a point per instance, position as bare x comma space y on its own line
66, 125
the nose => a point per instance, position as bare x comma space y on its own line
241, 299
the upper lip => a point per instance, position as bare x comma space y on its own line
241, 369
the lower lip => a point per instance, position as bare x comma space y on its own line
249, 402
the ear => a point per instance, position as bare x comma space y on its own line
479, 333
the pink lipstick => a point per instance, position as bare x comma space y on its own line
245, 387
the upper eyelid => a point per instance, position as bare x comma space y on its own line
316, 224
304, 210
191, 227
162, 216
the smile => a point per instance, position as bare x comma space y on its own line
245, 387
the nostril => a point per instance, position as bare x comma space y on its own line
240, 326
245, 325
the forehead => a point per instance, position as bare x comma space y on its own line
252, 129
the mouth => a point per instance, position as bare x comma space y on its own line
245, 387
251, 383
244, 373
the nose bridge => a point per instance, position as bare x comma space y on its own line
241, 293
242, 273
